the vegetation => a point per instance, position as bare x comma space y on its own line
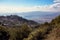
46, 31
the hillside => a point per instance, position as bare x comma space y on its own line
46, 31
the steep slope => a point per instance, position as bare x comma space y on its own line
55, 32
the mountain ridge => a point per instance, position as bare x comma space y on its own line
15, 20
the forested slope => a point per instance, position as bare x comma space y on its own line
46, 31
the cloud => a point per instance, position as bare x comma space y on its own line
56, 5
12, 9
56, 1
48, 8
9, 9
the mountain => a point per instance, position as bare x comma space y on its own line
14, 20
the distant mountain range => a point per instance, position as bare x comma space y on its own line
37, 16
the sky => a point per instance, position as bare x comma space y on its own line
17, 6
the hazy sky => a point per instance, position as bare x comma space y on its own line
12, 6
